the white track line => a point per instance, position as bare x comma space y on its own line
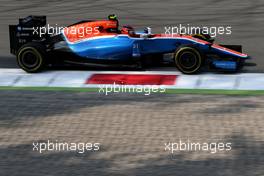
242, 81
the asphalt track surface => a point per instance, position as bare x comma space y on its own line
245, 17
132, 130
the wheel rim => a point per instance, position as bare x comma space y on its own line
29, 59
188, 60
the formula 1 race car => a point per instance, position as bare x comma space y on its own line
102, 42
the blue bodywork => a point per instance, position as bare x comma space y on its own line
124, 47
225, 65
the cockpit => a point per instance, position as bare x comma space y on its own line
88, 29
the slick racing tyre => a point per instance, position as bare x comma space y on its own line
188, 59
31, 57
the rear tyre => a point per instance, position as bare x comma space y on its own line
188, 59
31, 57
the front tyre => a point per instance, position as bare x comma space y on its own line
188, 59
31, 57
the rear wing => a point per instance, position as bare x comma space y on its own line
23, 32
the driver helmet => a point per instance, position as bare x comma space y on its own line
112, 17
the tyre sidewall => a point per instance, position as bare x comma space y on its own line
189, 49
35, 49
